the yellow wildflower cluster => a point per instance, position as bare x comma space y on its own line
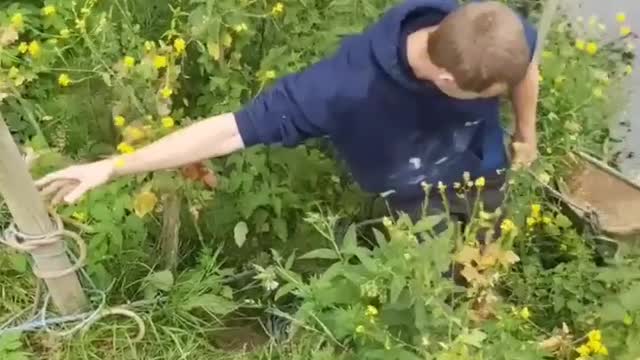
277, 9
160, 62
119, 121
64, 80
167, 122
242, 27
49, 10
594, 346
590, 47
507, 226
625, 30
180, 46
17, 21
129, 62
536, 216
125, 148
166, 92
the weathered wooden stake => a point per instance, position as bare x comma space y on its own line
170, 235
31, 217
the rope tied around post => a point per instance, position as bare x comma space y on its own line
19, 241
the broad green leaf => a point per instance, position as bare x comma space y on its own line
397, 285
380, 238
209, 302
144, 203
162, 280
320, 254
474, 338
562, 221
284, 290
630, 299
613, 311
280, 228
350, 240
427, 223
101, 212
240, 232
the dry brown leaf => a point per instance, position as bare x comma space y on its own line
467, 255
473, 276
8, 36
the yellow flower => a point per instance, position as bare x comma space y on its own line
592, 48
34, 49
507, 226
371, 311
64, 80
625, 30
160, 61
628, 320
166, 92
133, 133
531, 222
79, 215
125, 148
180, 45
149, 45
524, 313
17, 21
628, 70
621, 17
536, 210
167, 122
360, 329
270, 75
580, 44
480, 182
387, 222
442, 187
65, 33
242, 27
49, 10
594, 335
546, 220
598, 92
119, 121
598, 348
277, 9
129, 62
584, 350
23, 47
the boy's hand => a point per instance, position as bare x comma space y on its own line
71, 183
523, 154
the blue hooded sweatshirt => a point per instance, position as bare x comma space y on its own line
393, 131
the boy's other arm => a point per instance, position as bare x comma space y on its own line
524, 98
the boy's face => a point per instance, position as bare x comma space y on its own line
447, 84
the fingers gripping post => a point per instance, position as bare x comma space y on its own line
31, 217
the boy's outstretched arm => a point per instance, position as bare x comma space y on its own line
213, 137
524, 99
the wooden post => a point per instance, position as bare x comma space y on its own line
31, 217
170, 235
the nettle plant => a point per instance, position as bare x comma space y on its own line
404, 298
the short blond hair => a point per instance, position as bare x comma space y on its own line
481, 44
